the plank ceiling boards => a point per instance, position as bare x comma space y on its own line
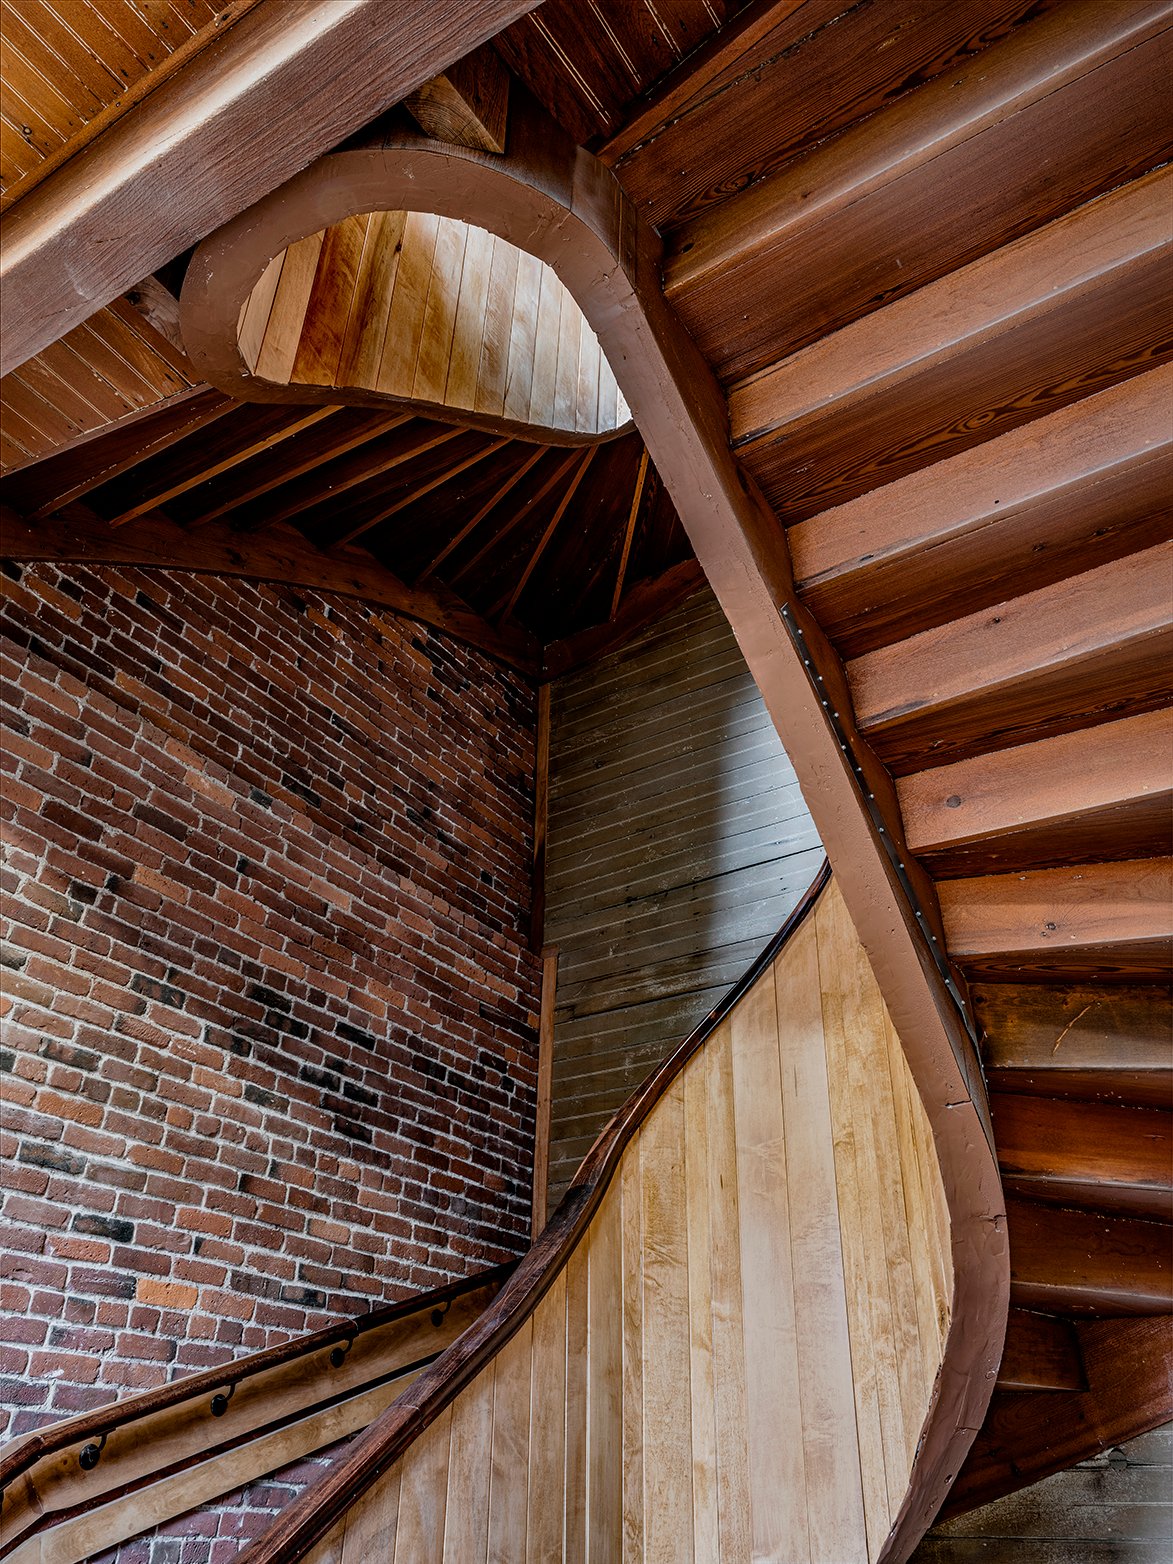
587, 60
926, 250
545, 543
114, 365
69, 69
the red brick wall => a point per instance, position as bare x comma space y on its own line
270, 1018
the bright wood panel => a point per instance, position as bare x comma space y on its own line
736, 1360
431, 310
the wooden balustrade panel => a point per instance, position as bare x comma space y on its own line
737, 1358
410, 307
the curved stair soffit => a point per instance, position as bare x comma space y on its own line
552, 200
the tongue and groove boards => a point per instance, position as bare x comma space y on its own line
735, 1358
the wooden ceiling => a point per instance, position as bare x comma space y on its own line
540, 542
71, 67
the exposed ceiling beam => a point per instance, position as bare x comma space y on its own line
285, 84
278, 554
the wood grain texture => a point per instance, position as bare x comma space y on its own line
1060, 494
456, 311
1065, 310
1036, 805
690, 1383
836, 223
296, 66
1060, 658
109, 370
1107, 1044
677, 835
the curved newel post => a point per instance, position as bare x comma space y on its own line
555, 201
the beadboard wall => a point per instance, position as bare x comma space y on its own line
678, 843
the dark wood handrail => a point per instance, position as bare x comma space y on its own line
24, 1453
308, 1518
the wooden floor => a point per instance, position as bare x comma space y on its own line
736, 1359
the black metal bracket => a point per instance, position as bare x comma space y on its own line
89, 1455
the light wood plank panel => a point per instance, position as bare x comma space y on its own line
509, 1483
466, 1512
575, 1544
423, 1495
729, 1360
605, 1382
667, 1432
777, 1467
547, 1415
632, 1538
835, 1512
734, 1360
703, 1408
283, 328
430, 309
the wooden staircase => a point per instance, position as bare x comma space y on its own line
939, 308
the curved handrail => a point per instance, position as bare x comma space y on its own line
308, 1518
201, 1391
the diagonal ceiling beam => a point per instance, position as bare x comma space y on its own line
282, 86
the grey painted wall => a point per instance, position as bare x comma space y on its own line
678, 842
1115, 1509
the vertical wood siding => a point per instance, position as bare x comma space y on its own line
678, 843
736, 1358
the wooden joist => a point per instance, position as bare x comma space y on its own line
1085, 1154
1053, 660
406, 439
1041, 1353
1106, 1044
1030, 328
154, 484
39, 490
1065, 1261
468, 105
279, 554
862, 219
285, 84
1060, 494
1100, 919
1066, 799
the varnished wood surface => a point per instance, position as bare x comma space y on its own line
424, 311
1082, 78
113, 366
975, 354
738, 1354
